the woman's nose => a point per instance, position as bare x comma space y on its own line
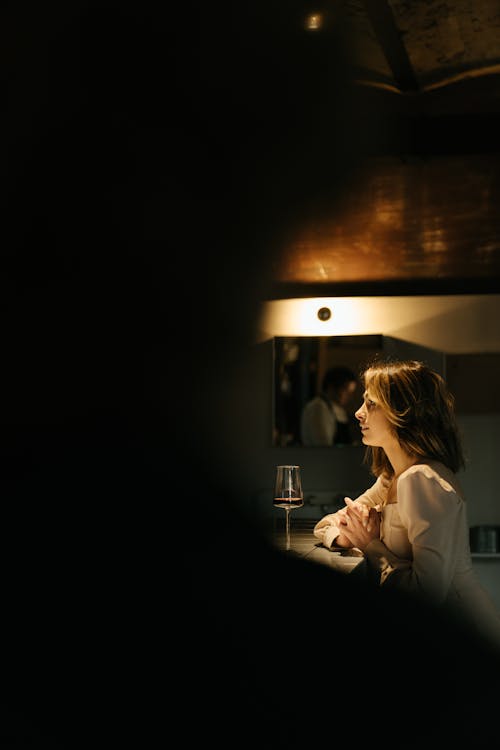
359, 414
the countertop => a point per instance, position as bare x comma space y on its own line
304, 544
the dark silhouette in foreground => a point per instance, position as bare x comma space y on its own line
157, 159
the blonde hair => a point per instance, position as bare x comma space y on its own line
418, 404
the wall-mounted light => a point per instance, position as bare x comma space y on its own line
324, 313
450, 323
315, 316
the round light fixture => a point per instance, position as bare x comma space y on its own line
324, 313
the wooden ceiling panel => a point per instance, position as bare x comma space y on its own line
423, 216
424, 220
424, 42
444, 39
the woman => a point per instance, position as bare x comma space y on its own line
411, 523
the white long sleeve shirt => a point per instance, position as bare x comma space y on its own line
424, 543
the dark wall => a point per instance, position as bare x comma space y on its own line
474, 379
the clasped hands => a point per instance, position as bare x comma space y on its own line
358, 525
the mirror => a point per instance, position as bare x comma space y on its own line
301, 369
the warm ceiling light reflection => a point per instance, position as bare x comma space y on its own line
433, 241
433, 246
314, 21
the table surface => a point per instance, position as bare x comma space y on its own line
304, 544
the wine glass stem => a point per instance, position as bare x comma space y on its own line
287, 513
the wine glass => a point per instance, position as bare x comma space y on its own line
288, 493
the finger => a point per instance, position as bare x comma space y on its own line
354, 518
360, 509
351, 508
340, 517
373, 520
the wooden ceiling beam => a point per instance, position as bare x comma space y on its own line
389, 37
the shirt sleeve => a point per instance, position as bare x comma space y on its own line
327, 530
429, 508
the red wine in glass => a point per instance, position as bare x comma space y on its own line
288, 493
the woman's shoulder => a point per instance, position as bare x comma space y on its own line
427, 467
431, 471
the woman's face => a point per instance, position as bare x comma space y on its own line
376, 430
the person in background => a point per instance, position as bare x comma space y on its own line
412, 523
325, 420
